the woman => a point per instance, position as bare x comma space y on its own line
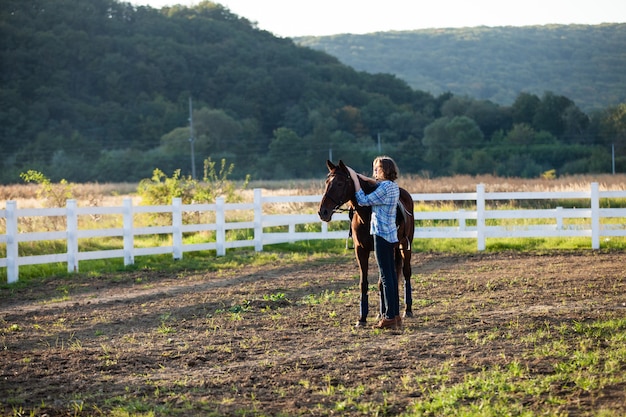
384, 202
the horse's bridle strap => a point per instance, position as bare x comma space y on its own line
337, 209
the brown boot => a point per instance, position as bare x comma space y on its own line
386, 324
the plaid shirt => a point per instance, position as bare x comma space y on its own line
384, 202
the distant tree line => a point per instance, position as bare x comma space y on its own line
100, 90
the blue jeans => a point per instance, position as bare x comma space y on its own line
384, 252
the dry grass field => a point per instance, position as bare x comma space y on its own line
112, 194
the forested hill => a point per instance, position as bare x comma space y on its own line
100, 90
583, 62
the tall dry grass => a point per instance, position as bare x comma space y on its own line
113, 193
87, 194
463, 184
467, 183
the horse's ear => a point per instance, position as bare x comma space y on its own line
342, 165
330, 165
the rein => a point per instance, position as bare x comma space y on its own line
342, 210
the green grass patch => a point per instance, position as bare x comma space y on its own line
591, 356
301, 250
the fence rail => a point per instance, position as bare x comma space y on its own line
482, 224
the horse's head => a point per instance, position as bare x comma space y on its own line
339, 190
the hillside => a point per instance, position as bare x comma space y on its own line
102, 91
585, 63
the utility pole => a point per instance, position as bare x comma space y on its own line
613, 157
379, 144
191, 140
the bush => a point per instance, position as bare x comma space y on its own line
54, 195
160, 190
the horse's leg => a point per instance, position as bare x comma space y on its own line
398, 260
362, 256
406, 271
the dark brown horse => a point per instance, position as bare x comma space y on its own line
339, 191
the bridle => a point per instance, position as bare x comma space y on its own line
337, 208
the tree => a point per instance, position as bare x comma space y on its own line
550, 114
349, 120
445, 136
600, 161
464, 132
521, 134
375, 113
215, 131
405, 124
456, 106
576, 124
176, 141
614, 128
524, 108
284, 159
489, 116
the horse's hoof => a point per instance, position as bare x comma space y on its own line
360, 324
408, 314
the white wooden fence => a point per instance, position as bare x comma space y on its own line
597, 224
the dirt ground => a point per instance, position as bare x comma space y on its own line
280, 339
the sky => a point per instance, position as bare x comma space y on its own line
292, 18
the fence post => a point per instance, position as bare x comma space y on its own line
72, 235
129, 238
12, 246
258, 220
461, 219
220, 229
559, 218
480, 216
177, 223
292, 232
595, 216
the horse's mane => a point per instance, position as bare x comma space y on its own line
367, 186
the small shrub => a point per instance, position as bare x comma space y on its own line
160, 190
54, 195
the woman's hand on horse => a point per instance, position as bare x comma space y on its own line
355, 178
353, 174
